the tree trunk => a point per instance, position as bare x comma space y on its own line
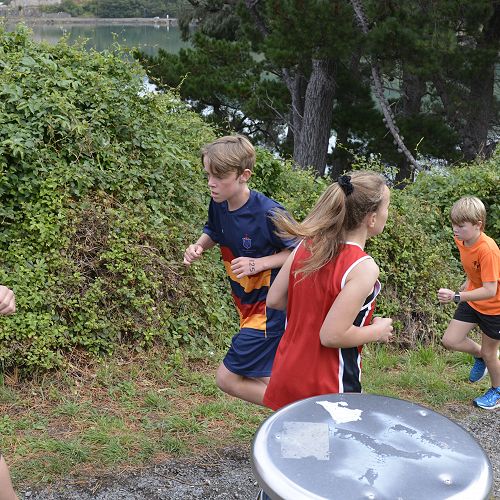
482, 89
473, 119
297, 85
413, 89
312, 104
312, 128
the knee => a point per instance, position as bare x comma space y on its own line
219, 379
447, 343
223, 379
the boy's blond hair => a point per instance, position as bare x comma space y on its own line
468, 209
231, 153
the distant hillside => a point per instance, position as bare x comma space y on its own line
27, 8
33, 3
97, 8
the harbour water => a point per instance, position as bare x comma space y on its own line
146, 36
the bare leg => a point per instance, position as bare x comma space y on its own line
249, 389
455, 338
489, 352
6, 490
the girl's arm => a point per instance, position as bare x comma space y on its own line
277, 296
338, 329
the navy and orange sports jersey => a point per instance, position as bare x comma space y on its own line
249, 232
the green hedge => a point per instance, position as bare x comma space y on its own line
481, 179
101, 190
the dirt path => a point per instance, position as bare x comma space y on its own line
225, 475
228, 474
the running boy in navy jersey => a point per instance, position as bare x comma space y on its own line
239, 221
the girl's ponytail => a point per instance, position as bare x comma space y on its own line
342, 207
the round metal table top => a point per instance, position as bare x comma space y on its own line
364, 446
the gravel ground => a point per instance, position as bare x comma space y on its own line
228, 474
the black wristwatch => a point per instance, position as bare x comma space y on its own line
456, 298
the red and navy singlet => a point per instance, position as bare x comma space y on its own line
303, 367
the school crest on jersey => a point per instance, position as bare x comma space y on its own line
247, 242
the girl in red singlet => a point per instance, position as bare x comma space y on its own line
328, 286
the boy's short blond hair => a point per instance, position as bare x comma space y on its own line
231, 153
468, 209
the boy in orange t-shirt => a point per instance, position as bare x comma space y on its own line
479, 298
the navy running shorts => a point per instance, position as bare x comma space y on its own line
252, 353
489, 324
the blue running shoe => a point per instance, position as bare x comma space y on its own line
490, 400
478, 370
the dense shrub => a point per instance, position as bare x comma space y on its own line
481, 179
298, 190
415, 261
101, 190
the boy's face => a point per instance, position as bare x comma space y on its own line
227, 188
468, 232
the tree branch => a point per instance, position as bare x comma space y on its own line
389, 119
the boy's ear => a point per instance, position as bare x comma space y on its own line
245, 176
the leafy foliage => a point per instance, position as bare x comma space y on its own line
415, 261
223, 80
443, 54
297, 190
479, 179
101, 190
438, 59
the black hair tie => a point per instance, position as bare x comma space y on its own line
345, 183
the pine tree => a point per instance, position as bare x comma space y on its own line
296, 72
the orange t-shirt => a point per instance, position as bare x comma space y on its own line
481, 263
